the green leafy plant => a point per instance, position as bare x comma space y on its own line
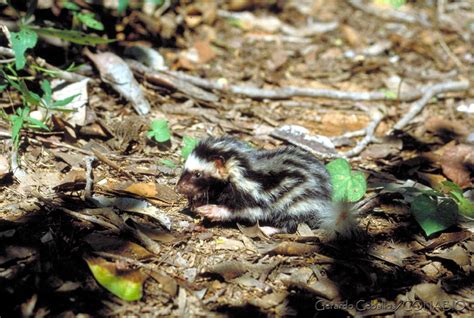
348, 185
466, 207
436, 210
21, 41
434, 213
188, 145
86, 18
21, 119
47, 98
159, 130
27, 37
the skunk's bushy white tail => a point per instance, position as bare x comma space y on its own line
340, 222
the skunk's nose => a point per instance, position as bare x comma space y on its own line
183, 187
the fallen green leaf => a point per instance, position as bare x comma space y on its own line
127, 285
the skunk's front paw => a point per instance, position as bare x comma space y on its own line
214, 212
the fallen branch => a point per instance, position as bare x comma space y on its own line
291, 91
429, 93
277, 93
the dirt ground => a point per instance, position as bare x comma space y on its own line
50, 225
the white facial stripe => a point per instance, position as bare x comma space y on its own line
194, 163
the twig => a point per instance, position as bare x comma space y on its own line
377, 117
89, 178
351, 134
448, 51
110, 163
90, 218
432, 91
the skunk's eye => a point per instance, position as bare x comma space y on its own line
197, 174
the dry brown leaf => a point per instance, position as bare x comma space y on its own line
445, 127
115, 245
269, 300
229, 270
168, 283
146, 190
388, 147
352, 36
456, 254
205, 51
73, 181
223, 243
446, 238
432, 294
395, 253
434, 180
293, 249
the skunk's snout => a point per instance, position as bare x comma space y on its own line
185, 187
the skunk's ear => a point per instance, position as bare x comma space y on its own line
219, 162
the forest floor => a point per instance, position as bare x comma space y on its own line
52, 228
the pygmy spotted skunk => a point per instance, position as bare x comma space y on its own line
225, 179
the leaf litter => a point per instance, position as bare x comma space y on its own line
200, 269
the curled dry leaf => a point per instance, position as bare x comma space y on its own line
168, 283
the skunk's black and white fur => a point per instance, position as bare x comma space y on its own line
225, 179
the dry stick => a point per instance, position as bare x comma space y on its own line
434, 90
377, 117
112, 164
277, 93
290, 91
448, 51
91, 219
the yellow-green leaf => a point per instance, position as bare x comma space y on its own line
125, 284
